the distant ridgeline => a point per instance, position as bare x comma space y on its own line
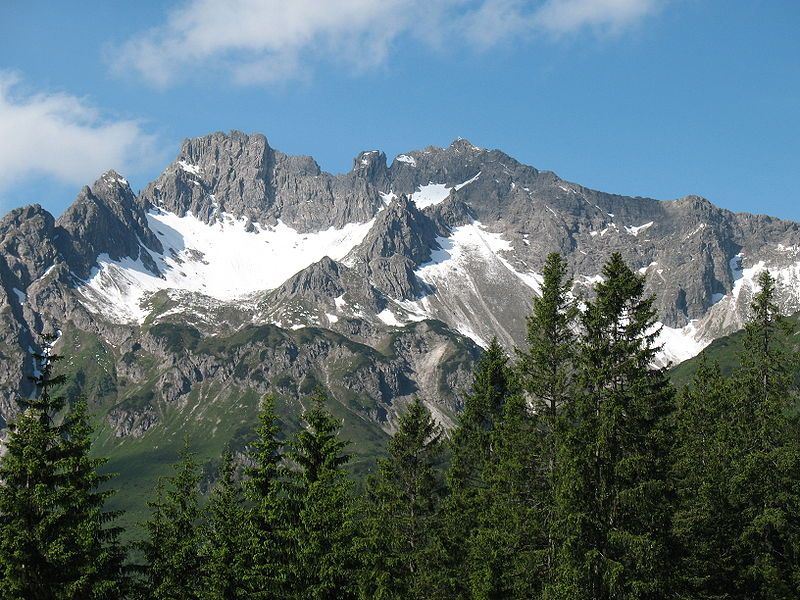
241, 271
573, 469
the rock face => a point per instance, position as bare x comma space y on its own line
401, 239
106, 219
241, 175
243, 268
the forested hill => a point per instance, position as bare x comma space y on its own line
574, 470
726, 352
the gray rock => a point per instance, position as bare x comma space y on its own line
193, 348
107, 219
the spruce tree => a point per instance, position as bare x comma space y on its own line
547, 366
704, 523
547, 371
319, 512
614, 498
470, 452
56, 539
95, 558
505, 547
262, 489
33, 541
173, 564
402, 500
765, 488
226, 540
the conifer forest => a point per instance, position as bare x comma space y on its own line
577, 470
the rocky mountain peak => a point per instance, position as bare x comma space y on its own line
22, 219
107, 219
371, 165
322, 279
444, 244
401, 229
218, 146
697, 205
464, 145
28, 244
401, 239
241, 176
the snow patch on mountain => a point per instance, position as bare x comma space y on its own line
434, 193
681, 344
189, 168
471, 250
635, 230
787, 280
222, 260
389, 318
387, 197
467, 246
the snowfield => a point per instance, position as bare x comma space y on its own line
435, 193
221, 260
226, 263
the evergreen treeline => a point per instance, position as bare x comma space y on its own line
575, 471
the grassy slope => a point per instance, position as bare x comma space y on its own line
212, 417
724, 350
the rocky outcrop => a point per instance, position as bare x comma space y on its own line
392, 319
241, 175
107, 219
401, 239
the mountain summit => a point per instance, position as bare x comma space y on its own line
242, 269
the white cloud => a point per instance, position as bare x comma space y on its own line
262, 41
63, 137
567, 16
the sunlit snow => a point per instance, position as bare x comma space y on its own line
467, 245
389, 318
222, 260
680, 344
189, 168
635, 230
434, 193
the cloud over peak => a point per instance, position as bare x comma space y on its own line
263, 41
63, 137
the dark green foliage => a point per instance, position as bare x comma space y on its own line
226, 539
765, 486
95, 557
483, 405
319, 516
547, 367
176, 337
263, 489
471, 450
572, 474
506, 546
704, 523
402, 503
547, 373
613, 509
171, 551
33, 541
56, 541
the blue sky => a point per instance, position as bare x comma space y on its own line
658, 98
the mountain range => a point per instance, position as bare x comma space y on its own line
242, 270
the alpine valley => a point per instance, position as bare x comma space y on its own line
242, 270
